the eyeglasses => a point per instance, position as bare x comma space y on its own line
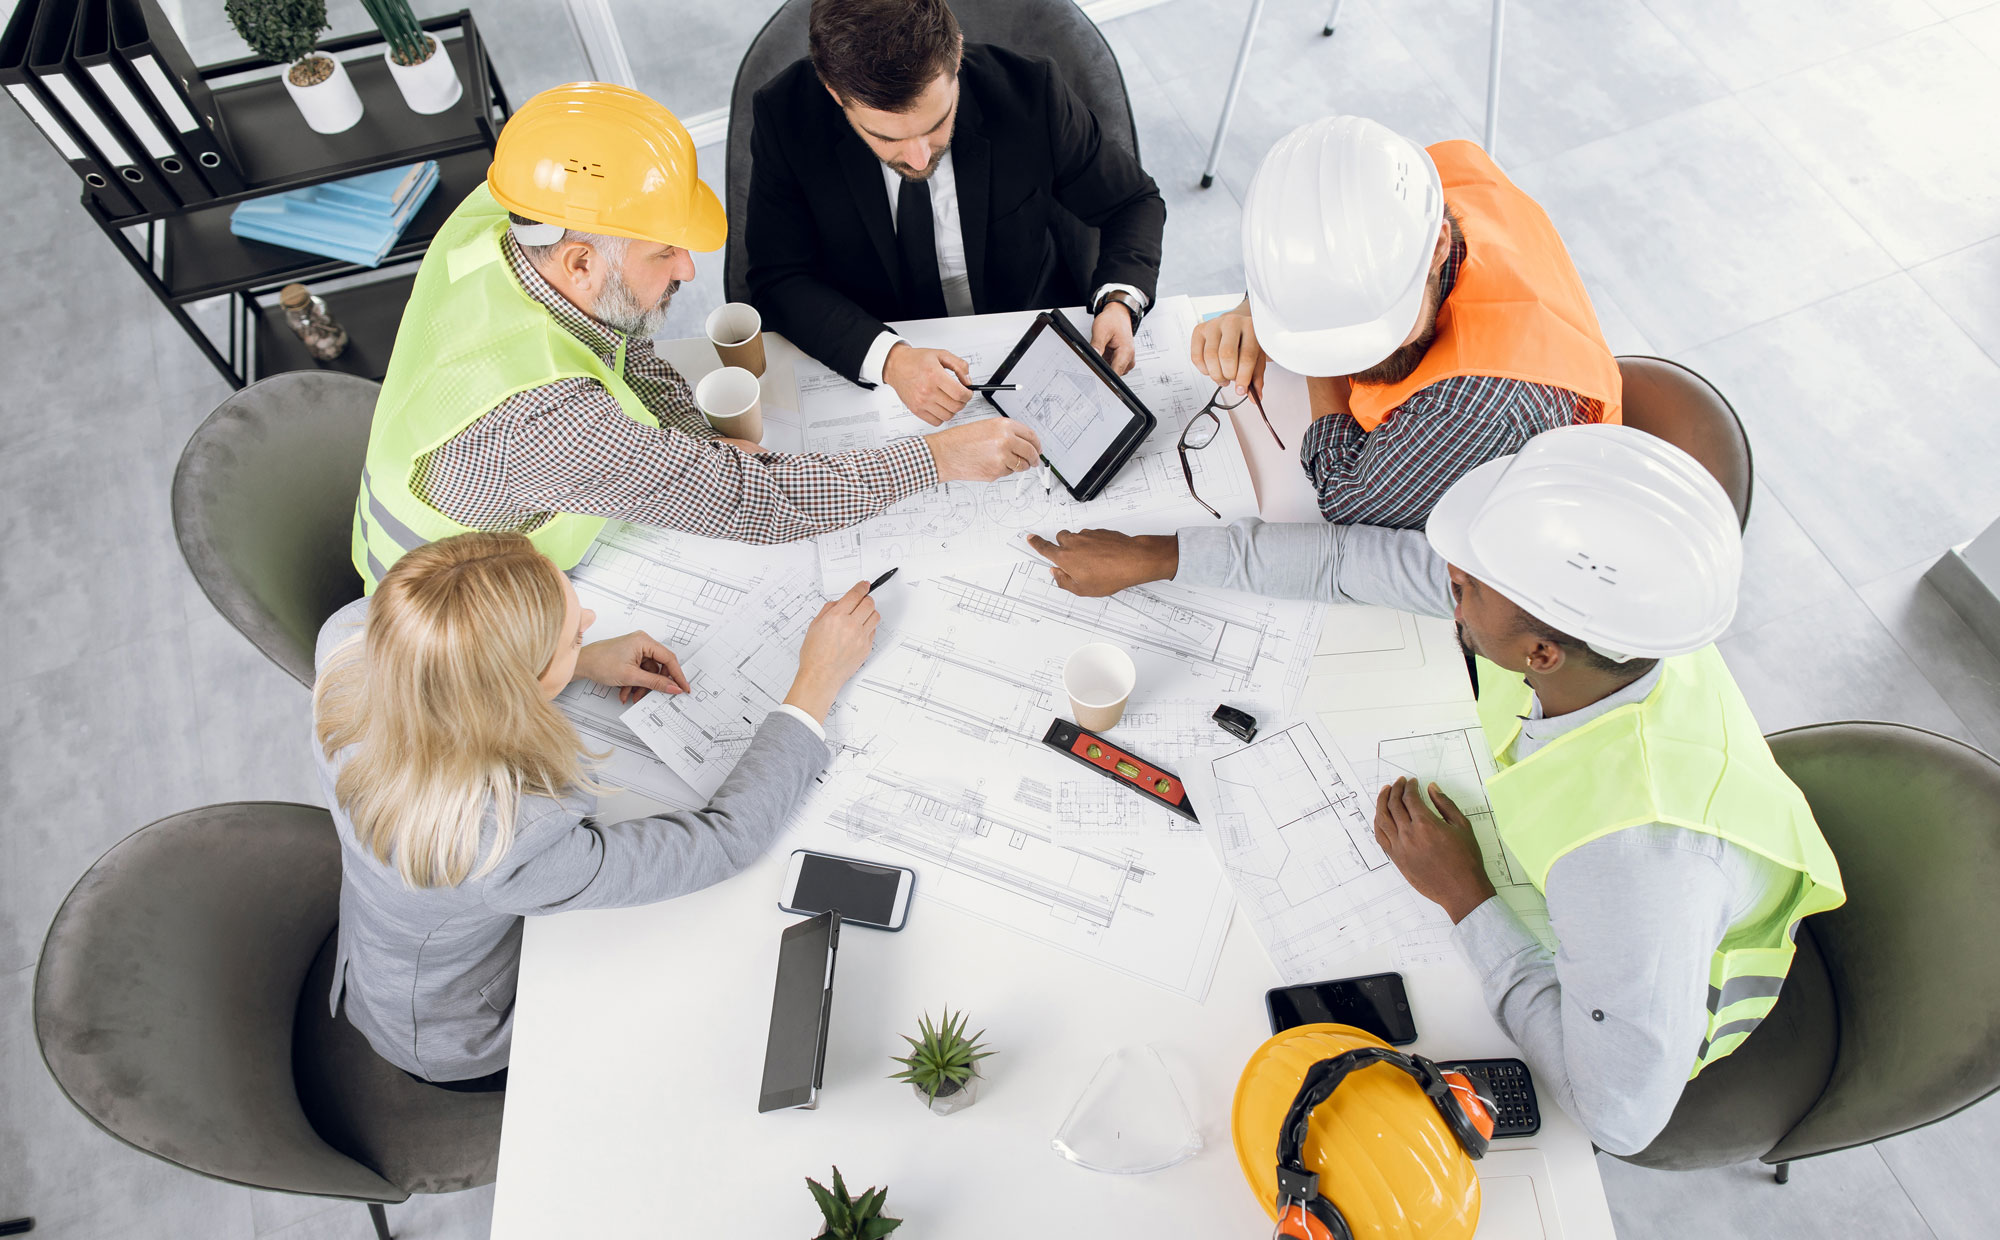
1201, 431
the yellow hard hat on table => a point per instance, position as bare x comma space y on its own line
605, 159
1381, 1143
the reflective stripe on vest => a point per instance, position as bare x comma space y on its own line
470, 338
1690, 755
1519, 309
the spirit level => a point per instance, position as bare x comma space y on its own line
1163, 788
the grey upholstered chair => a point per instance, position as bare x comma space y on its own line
1667, 399
1056, 30
181, 1004
1890, 1017
264, 507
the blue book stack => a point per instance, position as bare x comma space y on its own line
358, 220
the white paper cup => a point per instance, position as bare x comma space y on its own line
737, 332
1099, 678
730, 398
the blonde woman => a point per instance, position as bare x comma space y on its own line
463, 797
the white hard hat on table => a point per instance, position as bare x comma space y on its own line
1611, 535
1338, 232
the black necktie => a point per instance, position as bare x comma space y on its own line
922, 291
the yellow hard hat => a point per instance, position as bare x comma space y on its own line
605, 159
1387, 1154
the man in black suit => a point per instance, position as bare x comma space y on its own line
901, 174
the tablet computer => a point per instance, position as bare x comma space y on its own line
795, 1051
1089, 422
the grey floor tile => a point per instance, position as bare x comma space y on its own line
1947, 1169
1834, 661
1748, 41
95, 749
445, 1216
1954, 8
1982, 26
1203, 249
1572, 71
1871, 415
271, 1213
78, 1183
1849, 1193
1967, 284
1965, 673
1900, 135
1783, 572
253, 720
1701, 224
1619, 331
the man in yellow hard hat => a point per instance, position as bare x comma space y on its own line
523, 393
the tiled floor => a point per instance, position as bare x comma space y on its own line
1801, 200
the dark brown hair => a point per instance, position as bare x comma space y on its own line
881, 54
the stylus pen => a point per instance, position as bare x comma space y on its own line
991, 387
879, 580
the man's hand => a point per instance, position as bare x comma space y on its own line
984, 450
836, 645
1111, 335
1437, 856
633, 665
1094, 563
931, 382
1225, 349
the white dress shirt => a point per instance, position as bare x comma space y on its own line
950, 241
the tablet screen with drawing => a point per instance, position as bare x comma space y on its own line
1087, 419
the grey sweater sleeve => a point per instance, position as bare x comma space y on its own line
563, 861
1331, 563
1611, 1022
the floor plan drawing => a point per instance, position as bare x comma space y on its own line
1063, 410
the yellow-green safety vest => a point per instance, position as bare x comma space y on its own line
470, 338
1690, 755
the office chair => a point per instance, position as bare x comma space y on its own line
1054, 29
1667, 399
1890, 1016
181, 1004
264, 507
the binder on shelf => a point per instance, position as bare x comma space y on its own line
91, 48
64, 85
98, 179
155, 56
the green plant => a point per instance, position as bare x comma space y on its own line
281, 31
940, 1061
851, 1218
407, 41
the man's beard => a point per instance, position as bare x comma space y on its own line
1464, 640
1403, 363
618, 307
910, 174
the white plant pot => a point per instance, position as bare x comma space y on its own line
431, 86
329, 106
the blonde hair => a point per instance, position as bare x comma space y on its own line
441, 694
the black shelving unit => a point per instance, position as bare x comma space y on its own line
189, 255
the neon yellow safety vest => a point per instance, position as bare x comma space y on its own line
470, 338
1690, 755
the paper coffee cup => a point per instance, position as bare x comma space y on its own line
737, 332
730, 398
1099, 677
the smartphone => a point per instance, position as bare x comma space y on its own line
1377, 1003
865, 893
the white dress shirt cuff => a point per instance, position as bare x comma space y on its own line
878, 357
1143, 300
786, 708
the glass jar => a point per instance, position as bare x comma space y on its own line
307, 316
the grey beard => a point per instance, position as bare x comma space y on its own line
620, 310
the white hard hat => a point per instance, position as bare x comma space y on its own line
1605, 532
1338, 233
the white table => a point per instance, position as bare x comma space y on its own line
639, 1039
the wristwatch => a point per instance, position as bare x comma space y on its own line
1123, 298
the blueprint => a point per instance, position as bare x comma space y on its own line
962, 522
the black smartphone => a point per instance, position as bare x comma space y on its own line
866, 894
1377, 1003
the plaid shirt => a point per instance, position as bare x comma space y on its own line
569, 447
1394, 475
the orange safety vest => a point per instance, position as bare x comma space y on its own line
1518, 310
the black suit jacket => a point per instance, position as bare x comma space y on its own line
819, 243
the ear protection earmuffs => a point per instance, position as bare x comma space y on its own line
1305, 1215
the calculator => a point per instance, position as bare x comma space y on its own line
1507, 1084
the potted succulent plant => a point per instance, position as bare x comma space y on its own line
285, 32
943, 1064
851, 1218
418, 63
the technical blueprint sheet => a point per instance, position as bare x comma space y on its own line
966, 522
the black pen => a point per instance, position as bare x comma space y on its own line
879, 580
991, 387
